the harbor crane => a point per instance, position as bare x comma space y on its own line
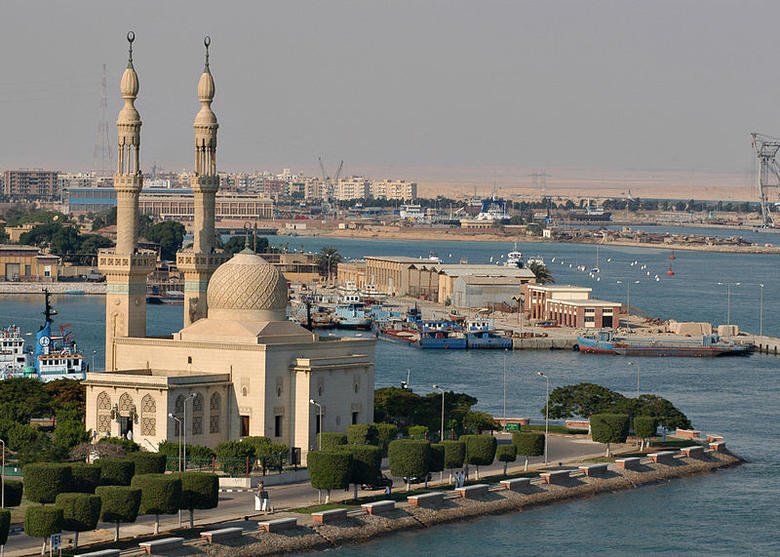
328, 184
768, 175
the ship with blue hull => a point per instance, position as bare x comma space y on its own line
441, 339
351, 316
487, 340
708, 346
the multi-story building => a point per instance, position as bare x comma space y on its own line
399, 190
355, 187
569, 306
80, 180
30, 184
312, 189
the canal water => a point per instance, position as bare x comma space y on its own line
726, 513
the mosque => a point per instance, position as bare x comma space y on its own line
238, 367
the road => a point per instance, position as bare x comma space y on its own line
235, 507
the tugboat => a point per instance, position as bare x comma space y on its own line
56, 357
14, 360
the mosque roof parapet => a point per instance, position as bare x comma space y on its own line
155, 378
109, 260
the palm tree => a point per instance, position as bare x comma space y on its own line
543, 274
328, 259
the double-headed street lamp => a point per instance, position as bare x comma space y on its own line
728, 286
628, 297
319, 433
546, 416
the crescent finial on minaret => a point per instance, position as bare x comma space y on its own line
207, 43
130, 39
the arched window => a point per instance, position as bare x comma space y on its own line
148, 416
125, 404
215, 405
103, 413
197, 414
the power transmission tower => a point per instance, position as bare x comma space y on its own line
765, 149
102, 163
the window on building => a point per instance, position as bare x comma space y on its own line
354, 417
317, 424
277, 426
244, 426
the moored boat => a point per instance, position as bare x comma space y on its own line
707, 346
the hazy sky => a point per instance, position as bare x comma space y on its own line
400, 84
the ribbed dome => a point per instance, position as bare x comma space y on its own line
206, 88
129, 84
247, 288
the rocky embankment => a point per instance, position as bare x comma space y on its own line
92, 288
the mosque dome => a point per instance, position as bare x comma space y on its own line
247, 288
129, 83
206, 88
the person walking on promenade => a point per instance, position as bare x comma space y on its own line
258, 502
264, 498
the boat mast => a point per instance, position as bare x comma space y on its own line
48, 311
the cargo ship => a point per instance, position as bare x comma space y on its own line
708, 346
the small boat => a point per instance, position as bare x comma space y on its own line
442, 339
351, 316
706, 346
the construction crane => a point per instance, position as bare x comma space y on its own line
327, 183
765, 149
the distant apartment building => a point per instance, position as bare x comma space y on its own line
312, 189
79, 180
355, 187
398, 190
30, 185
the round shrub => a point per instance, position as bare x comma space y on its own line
199, 490
409, 458
362, 434
43, 481
480, 449
41, 521
645, 426
385, 434
609, 428
454, 454
80, 511
148, 463
436, 462
160, 493
13, 493
85, 477
119, 503
528, 444
366, 462
329, 439
329, 469
116, 471
418, 431
506, 454
5, 525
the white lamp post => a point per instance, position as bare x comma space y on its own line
505, 353
546, 417
728, 286
190, 398
319, 433
2, 478
441, 434
178, 421
761, 311
628, 298
637, 376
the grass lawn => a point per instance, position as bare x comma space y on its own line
600, 459
555, 429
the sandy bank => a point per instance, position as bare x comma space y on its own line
359, 528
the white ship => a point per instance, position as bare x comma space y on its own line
14, 361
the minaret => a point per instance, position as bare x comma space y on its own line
124, 266
199, 263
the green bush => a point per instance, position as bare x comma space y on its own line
645, 427
480, 449
267, 453
198, 455
80, 512
41, 521
128, 445
385, 434
366, 463
69, 433
84, 477
506, 454
436, 462
409, 458
199, 490
417, 431
609, 428
362, 434
23, 435
43, 481
160, 494
454, 454
5, 525
148, 463
329, 439
329, 470
13, 493
116, 471
528, 444
119, 503
233, 455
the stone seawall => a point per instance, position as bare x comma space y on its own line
360, 528
92, 288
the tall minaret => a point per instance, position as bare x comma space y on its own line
124, 266
199, 263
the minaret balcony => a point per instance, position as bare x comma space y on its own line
141, 262
191, 261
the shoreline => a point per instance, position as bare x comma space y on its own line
356, 529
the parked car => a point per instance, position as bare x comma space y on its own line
380, 482
418, 480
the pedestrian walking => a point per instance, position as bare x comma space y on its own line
265, 499
258, 502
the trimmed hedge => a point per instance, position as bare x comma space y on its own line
13, 493
119, 503
329, 469
160, 493
454, 454
409, 458
480, 449
85, 477
385, 434
645, 426
506, 454
199, 490
233, 455
5, 525
528, 444
116, 471
417, 431
436, 462
366, 463
80, 511
148, 463
41, 521
362, 434
609, 428
330, 439
44, 481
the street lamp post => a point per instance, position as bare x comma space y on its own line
319, 433
628, 297
546, 417
728, 286
94, 352
761, 311
2, 478
637, 376
441, 433
172, 416
505, 353
190, 398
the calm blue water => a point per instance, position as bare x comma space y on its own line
731, 512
